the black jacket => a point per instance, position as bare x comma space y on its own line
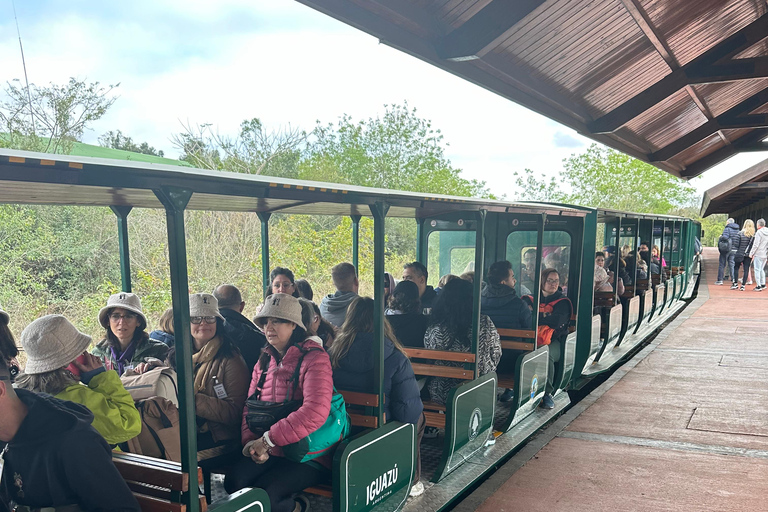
428, 300
743, 244
409, 328
732, 232
57, 458
560, 317
244, 335
506, 309
402, 400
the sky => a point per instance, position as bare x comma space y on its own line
189, 62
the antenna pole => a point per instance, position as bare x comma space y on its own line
24, 64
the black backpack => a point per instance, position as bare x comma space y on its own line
724, 244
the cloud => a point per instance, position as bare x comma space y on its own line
563, 140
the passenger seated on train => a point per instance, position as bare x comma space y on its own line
642, 269
318, 328
404, 315
263, 464
468, 276
528, 277
220, 382
304, 289
334, 307
282, 281
54, 457
126, 342
555, 312
248, 339
353, 370
8, 349
417, 273
58, 365
389, 285
443, 281
602, 277
164, 333
500, 302
655, 257
451, 330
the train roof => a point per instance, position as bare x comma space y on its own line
38, 178
682, 85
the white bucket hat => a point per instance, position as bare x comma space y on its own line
5, 317
52, 342
204, 304
280, 305
124, 300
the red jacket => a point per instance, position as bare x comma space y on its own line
316, 376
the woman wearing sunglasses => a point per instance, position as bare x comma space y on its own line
126, 343
220, 382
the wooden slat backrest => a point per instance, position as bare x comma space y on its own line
357, 398
516, 333
152, 504
356, 402
434, 419
148, 470
433, 370
363, 420
440, 355
527, 346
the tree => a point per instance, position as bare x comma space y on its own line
49, 119
605, 178
117, 140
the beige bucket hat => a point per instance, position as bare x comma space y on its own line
280, 305
52, 342
204, 304
125, 300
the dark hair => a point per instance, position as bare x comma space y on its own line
297, 336
545, 273
304, 289
498, 272
599, 254
453, 309
139, 335
326, 330
170, 359
8, 348
228, 348
405, 297
282, 271
418, 267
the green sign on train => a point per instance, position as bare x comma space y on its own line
469, 422
377, 469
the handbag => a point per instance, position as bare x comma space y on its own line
261, 415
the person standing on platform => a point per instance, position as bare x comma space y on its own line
759, 254
727, 245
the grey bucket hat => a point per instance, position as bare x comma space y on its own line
52, 342
124, 300
280, 305
204, 304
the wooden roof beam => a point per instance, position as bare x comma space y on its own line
710, 67
723, 153
485, 30
730, 119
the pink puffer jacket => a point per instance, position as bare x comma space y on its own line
316, 376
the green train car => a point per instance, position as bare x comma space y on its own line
373, 469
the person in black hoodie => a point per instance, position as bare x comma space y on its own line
241, 331
554, 317
500, 302
352, 361
727, 258
53, 457
404, 315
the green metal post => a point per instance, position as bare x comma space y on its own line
356, 242
122, 236
617, 248
586, 292
264, 218
379, 211
421, 253
537, 278
175, 201
479, 260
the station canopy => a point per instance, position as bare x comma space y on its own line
680, 84
740, 193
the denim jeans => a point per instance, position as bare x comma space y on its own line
721, 263
759, 264
732, 265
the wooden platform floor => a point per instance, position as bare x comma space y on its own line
683, 426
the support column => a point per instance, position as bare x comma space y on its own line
122, 236
264, 218
537, 278
356, 242
379, 210
175, 201
421, 253
477, 285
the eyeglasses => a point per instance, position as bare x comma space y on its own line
116, 317
276, 321
553, 281
200, 319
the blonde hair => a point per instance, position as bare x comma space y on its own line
52, 383
625, 250
749, 228
166, 321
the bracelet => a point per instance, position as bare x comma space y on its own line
265, 444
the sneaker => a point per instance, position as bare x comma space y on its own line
742, 288
507, 396
749, 282
302, 503
734, 286
718, 283
431, 432
759, 288
417, 489
547, 402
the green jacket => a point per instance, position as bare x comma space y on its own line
114, 415
147, 348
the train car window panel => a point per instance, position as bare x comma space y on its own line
450, 252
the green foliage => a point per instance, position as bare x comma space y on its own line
118, 140
605, 178
713, 227
49, 119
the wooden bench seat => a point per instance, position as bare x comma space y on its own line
158, 485
429, 369
359, 408
511, 339
604, 300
